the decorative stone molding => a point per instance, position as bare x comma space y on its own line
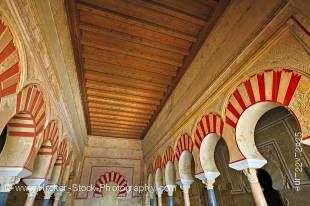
32, 190
7, 183
170, 189
209, 183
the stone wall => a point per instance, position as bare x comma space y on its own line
103, 155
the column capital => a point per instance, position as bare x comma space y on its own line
170, 189
58, 195
7, 183
209, 183
49, 190
250, 173
160, 190
33, 190
186, 184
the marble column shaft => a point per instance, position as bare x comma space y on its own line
256, 188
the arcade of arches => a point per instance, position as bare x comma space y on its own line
154, 102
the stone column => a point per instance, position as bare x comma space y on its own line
151, 199
159, 191
48, 191
211, 195
6, 185
170, 189
186, 184
57, 195
64, 198
257, 191
186, 194
32, 191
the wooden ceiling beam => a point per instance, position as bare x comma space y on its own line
169, 11
132, 49
139, 32
102, 100
103, 86
130, 119
99, 121
193, 8
122, 97
119, 108
111, 124
128, 61
131, 38
116, 129
104, 134
113, 113
106, 68
135, 10
114, 79
133, 21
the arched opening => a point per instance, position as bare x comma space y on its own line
272, 196
18, 150
207, 152
277, 137
3, 137
43, 160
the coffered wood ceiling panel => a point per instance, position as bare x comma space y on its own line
130, 55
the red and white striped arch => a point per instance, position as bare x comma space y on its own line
112, 176
184, 143
31, 101
210, 123
271, 85
168, 156
158, 162
250, 100
9, 62
150, 169
62, 153
28, 123
50, 139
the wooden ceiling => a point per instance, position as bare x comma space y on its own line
130, 55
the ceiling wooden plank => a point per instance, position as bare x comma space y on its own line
119, 108
169, 11
115, 25
194, 8
114, 79
113, 113
98, 120
102, 86
122, 97
129, 119
132, 49
132, 38
104, 134
102, 100
137, 12
106, 68
134, 22
128, 61
111, 124
116, 129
